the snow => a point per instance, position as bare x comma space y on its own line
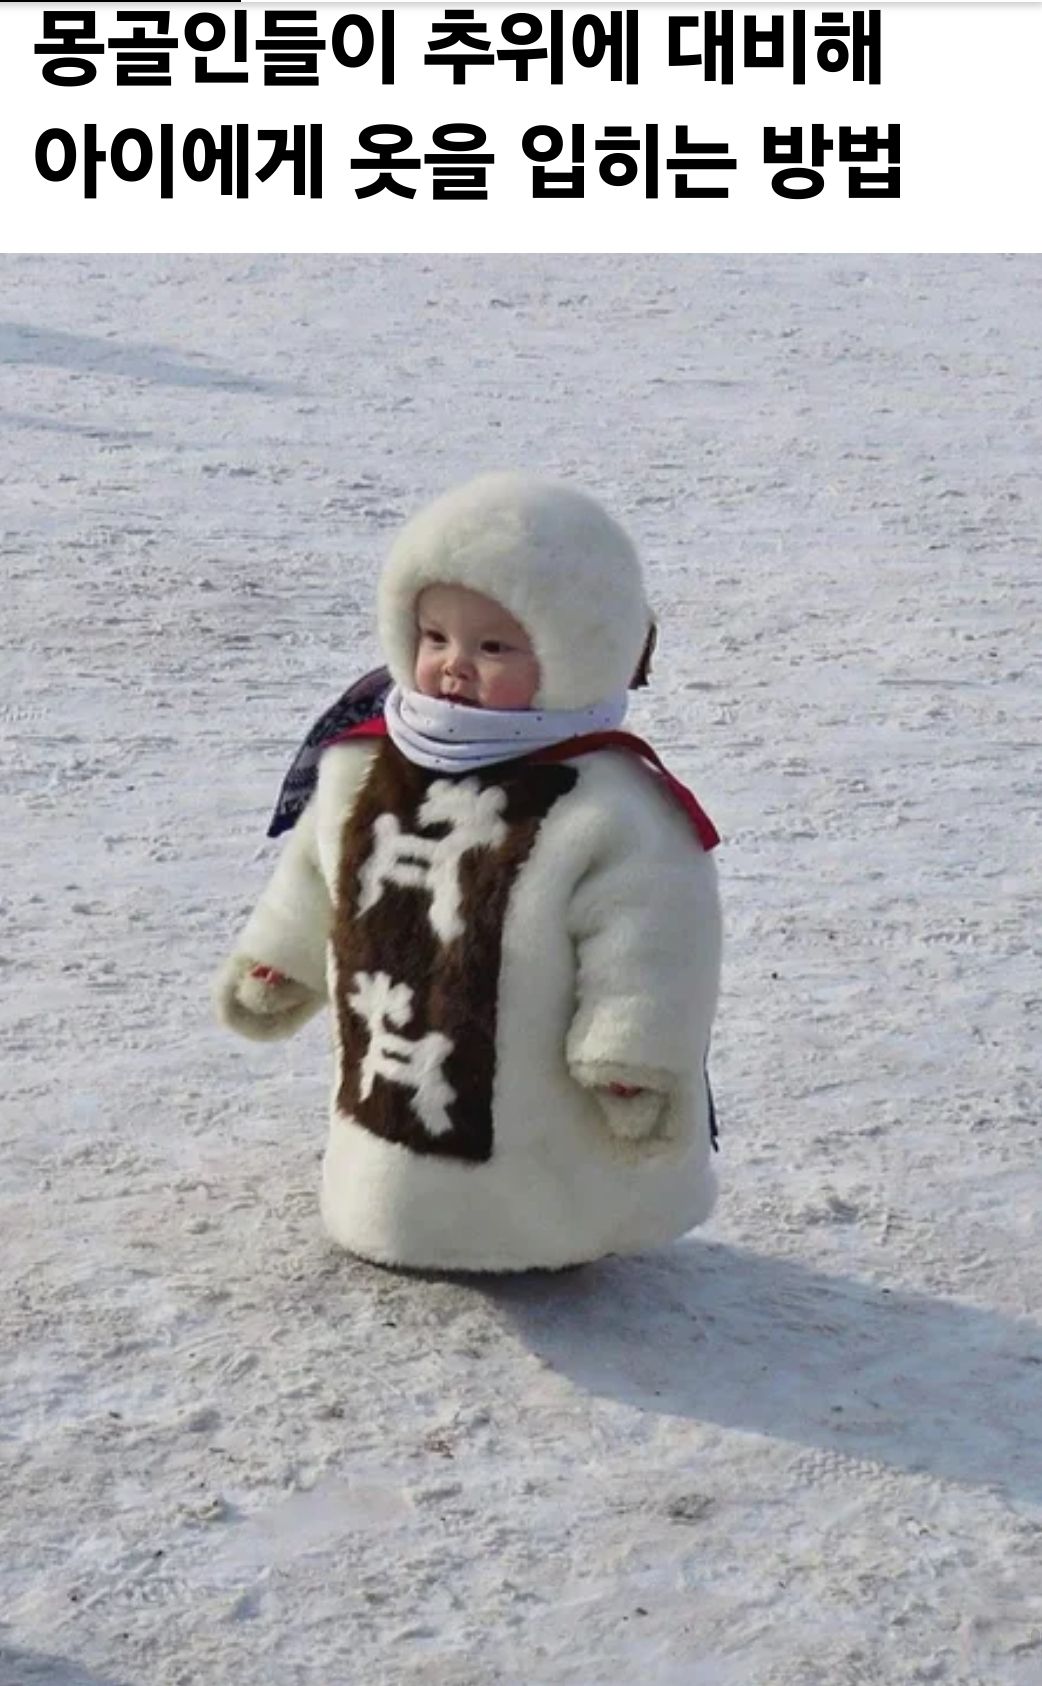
805, 1444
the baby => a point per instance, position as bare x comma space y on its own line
513, 917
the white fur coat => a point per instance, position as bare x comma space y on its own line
607, 968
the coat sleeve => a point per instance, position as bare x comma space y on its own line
645, 921
289, 927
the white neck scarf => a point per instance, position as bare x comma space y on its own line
449, 737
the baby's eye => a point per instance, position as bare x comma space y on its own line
431, 637
493, 647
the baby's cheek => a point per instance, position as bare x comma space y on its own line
425, 671
517, 687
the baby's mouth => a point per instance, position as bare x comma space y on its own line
464, 702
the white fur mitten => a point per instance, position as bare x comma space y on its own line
633, 1118
259, 1002
634, 1104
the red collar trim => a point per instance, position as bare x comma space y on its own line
375, 728
701, 824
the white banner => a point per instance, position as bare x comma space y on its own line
413, 127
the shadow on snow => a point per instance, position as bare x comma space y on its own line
33, 1668
20, 343
722, 1335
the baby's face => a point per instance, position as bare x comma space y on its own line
470, 650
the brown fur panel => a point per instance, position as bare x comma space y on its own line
455, 984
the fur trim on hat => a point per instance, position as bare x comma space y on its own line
551, 556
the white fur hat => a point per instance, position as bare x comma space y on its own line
549, 554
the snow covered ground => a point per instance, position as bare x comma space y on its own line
805, 1445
